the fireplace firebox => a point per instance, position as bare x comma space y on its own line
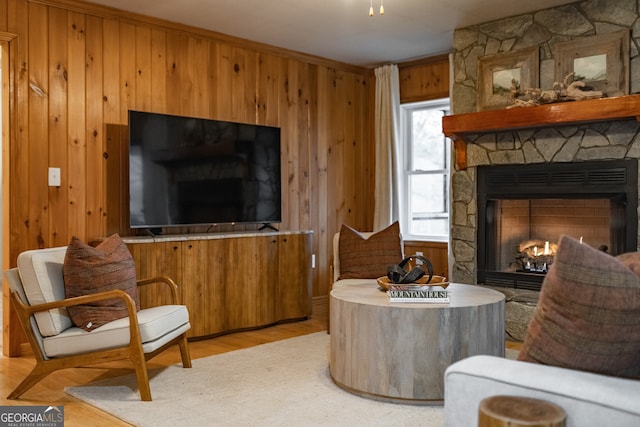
524, 209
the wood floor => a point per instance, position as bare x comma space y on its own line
50, 391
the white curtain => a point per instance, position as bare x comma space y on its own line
387, 138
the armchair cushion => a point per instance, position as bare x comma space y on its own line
368, 258
588, 314
154, 323
41, 275
89, 270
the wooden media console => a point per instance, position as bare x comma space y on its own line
231, 281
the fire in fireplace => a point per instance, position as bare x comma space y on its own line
523, 210
535, 256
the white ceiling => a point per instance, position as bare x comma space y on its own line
341, 30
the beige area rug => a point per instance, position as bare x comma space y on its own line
283, 383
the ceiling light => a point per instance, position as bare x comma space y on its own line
371, 7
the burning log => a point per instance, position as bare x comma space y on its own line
536, 255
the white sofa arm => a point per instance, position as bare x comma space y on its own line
588, 399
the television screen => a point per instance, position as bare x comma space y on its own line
190, 171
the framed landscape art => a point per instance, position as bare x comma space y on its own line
501, 74
601, 62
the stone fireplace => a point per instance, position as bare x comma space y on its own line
607, 151
562, 147
553, 141
548, 142
524, 209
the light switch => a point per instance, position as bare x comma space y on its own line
54, 177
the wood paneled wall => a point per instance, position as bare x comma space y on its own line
436, 252
76, 69
424, 79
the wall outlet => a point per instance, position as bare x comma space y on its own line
54, 177
419, 262
313, 260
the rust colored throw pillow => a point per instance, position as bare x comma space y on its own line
88, 270
368, 258
588, 314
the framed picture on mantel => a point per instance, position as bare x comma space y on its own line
601, 62
502, 74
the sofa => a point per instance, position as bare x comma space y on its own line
588, 399
581, 350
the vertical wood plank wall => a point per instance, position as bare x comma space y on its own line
77, 68
80, 68
424, 79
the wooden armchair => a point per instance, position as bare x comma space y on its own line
37, 294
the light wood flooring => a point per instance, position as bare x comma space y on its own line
50, 391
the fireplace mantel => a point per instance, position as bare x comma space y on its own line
459, 126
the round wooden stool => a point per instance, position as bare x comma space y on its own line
516, 411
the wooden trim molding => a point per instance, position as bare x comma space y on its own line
460, 126
10, 323
7, 37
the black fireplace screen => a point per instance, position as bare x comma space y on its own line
523, 210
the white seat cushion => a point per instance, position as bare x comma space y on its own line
355, 282
158, 325
41, 275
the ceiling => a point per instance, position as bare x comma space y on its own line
340, 30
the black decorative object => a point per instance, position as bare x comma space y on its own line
400, 274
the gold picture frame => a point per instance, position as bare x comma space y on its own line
601, 62
497, 73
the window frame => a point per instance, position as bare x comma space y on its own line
406, 171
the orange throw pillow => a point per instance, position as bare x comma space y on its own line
88, 270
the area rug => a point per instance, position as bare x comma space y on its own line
283, 383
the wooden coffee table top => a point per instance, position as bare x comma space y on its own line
459, 296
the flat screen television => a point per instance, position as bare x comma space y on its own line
187, 171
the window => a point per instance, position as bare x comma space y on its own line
424, 177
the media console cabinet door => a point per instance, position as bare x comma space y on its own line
231, 283
202, 281
153, 260
250, 267
294, 277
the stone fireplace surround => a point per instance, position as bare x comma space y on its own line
516, 203
602, 141
551, 144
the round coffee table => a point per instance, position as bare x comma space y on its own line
399, 351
